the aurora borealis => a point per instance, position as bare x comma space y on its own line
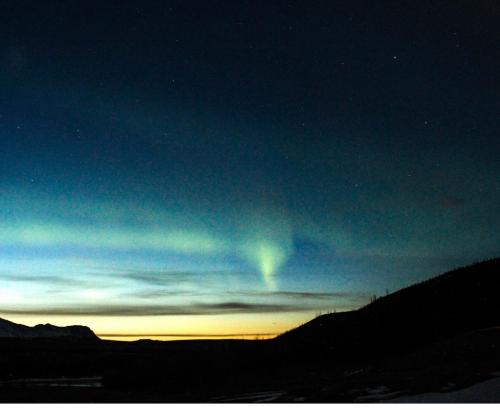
185, 167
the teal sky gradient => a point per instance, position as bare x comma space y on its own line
176, 159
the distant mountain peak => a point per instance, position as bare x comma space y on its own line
15, 330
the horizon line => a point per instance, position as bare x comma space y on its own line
183, 334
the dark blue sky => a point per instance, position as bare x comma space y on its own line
242, 157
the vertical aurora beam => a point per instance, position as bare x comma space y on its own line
270, 258
269, 248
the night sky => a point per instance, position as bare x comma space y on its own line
236, 167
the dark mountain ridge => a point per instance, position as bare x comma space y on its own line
14, 330
461, 300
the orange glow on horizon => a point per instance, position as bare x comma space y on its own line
244, 326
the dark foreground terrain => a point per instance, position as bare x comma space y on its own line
438, 336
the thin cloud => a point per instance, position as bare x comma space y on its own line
158, 310
302, 295
161, 277
53, 279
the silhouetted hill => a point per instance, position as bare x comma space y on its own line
15, 330
460, 300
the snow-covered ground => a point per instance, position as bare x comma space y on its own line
485, 392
